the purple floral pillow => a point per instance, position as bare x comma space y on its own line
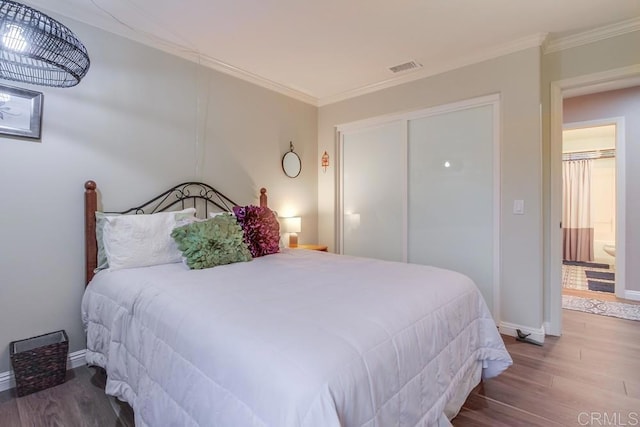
261, 229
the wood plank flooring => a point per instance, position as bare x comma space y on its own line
589, 376
79, 402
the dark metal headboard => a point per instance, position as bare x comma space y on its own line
185, 195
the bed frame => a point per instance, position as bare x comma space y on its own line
185, 195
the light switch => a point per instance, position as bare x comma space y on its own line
518, 207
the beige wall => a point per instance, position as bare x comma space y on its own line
619, 103
516, 77
604, 55
140, 121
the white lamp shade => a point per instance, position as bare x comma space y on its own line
292, 224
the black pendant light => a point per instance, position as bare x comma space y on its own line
37, 49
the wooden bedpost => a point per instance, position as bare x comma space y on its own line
263, 197
90, 245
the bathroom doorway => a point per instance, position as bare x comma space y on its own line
612, 94
589, 206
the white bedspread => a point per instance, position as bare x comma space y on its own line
299, 338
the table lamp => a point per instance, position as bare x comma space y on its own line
293, 226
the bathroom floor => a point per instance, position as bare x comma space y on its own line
591, 289
588, 277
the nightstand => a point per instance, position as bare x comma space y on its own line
321, 248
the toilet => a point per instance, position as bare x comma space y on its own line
610, 249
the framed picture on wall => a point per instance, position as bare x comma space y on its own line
20, 112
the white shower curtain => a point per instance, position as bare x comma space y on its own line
576, 210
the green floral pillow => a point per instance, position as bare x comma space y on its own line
216, 241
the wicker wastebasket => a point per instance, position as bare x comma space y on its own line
39, 362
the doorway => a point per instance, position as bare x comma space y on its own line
589, 207
626, 77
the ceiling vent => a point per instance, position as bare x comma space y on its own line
411, 65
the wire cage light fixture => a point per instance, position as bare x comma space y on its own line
37, 49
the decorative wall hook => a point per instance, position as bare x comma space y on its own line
325, 162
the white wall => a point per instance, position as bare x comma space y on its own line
140, 121
516, 77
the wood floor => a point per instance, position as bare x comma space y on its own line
79, 402
589, 376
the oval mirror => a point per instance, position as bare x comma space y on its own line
291, 164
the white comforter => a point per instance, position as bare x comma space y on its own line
299, 338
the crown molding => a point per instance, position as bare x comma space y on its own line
535, 40
114, 26
223, 67
255, 79
189, 54
591, 36
619, 78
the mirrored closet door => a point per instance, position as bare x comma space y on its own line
373, 176
423, 187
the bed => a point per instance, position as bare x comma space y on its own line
296, 338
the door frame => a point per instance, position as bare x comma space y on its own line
495, 101
582, 85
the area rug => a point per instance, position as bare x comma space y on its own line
586, 264
577, 276
595, 285
600, 275
605, 308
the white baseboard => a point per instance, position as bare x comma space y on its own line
547, 328
76, 359
6, 381
632, 295
537, 334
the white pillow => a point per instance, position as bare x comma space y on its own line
102, 256
142, 240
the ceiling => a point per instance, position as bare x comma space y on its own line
326, 50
